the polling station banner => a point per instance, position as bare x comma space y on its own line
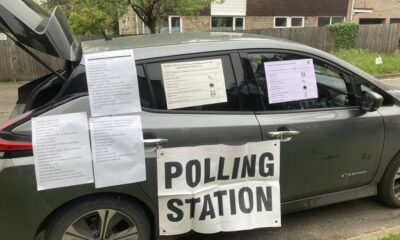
217, 188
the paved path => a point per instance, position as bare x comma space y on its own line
339, 221
393, 82
8, 97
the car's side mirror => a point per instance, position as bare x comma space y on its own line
371, 101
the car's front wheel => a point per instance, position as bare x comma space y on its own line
100, 218
389, 187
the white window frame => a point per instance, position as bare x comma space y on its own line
126, 22
289, 22
330, 19
170, 23
233, 21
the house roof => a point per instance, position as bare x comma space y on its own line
297, 7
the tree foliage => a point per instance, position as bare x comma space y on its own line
150, 11
85, 15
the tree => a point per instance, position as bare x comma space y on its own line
150, 11
85, 17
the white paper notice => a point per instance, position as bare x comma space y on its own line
378, 61
290, 80
118, 150
3, 37
196, 83
61, 150
218, 188
112, 83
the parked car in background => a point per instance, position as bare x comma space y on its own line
347, 148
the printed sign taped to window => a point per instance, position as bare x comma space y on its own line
196, 83
112, 83
290, 80
217, 188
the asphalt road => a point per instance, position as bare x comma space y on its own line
339, 221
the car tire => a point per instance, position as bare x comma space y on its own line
84, 219
389, 186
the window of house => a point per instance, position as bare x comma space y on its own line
324, 21
283, 22
394, 20
227, 24
155, 77
168, 24
175, 24
334, 87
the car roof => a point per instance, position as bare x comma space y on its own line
162, 45
175, 44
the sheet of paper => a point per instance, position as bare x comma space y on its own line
112, 82
290, 80
3, 37
378, 61
195, 83
61, 150
216, 188
117, 150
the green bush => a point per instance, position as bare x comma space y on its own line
345, 34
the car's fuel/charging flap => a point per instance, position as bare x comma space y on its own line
34, 27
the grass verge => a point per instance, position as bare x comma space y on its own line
391, 237
366, 61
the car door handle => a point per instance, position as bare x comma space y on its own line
154, 142
284, 136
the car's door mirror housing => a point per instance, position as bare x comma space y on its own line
371, 101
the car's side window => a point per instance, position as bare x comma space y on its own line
334, 86
155, 76
145, 92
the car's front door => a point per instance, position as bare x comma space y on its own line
231, 122
334, 144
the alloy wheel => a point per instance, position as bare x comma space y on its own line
102, 224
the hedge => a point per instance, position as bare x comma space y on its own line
345, 34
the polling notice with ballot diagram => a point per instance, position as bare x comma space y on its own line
118, 150
290, 80
112, 83
217, 188
61, 150
195, 83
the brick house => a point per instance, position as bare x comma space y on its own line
376, 11
238, 15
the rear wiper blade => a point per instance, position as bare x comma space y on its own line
23, 47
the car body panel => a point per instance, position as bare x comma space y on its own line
23, 205
391, 148
333, 152
32, 26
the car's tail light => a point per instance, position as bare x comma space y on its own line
13, 146
10, 145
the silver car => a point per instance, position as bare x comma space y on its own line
347, 147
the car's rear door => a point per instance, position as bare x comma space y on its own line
338, 145
232, 122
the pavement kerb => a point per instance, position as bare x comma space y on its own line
378, 234
388, 76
